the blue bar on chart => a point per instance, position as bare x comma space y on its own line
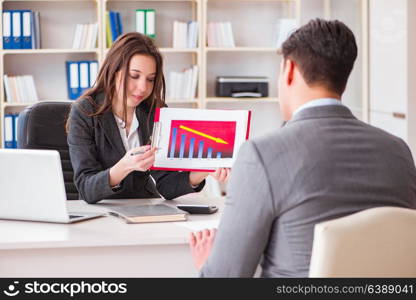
209, 155
182, 148
191, 148
173, 143
201, 149
219, 154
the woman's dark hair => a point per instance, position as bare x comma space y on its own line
118, 59
325, 52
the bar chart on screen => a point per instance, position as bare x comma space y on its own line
198, 139
202, 139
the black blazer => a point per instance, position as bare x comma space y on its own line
95, 146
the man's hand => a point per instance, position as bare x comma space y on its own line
201, 243
221, 174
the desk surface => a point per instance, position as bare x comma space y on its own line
104, 231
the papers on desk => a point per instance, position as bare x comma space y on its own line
199, 225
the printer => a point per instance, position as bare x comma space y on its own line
242, 86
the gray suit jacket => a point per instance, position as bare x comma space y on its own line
95, 146
323, 164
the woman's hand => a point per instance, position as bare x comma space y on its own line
136, 159
221, 175
139, 158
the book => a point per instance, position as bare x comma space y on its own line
20, 89
36, 30
182, 85
148, 213
198, 139
185, 35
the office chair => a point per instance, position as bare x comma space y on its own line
377, 242
42, 126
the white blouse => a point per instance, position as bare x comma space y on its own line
131, 140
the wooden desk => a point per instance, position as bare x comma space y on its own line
103, 247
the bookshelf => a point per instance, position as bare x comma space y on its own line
258, 52
392, 103
58, 19
175, 59
254, 54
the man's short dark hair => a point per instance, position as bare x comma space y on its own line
325, 52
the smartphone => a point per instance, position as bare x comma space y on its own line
198, 209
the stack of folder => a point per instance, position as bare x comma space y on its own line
10, 130
85, 36
182, 85
114, 26
21, 29
185, 35
146, 22
20, 89
220, 34
81, 75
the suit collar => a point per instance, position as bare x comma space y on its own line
319, 112
111, 131
109, 124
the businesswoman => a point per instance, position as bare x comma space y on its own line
114, 120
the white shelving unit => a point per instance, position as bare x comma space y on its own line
254, 54
254, 28
58, 19
166, 13
392, 105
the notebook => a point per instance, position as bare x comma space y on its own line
148, 213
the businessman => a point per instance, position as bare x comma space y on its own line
323, 164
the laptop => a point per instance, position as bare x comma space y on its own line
32, 187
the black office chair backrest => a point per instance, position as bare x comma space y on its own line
42, 126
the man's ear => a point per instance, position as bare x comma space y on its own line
290, 71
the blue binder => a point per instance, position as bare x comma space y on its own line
72, 73
84, 76
16, 29
15, 120
113, 25
27, 33
8, 131
7, 29
119, 24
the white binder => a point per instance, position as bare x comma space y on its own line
83, 75
16, 30
140, 16
150, 22
93, 72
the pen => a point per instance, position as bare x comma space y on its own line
137, 153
